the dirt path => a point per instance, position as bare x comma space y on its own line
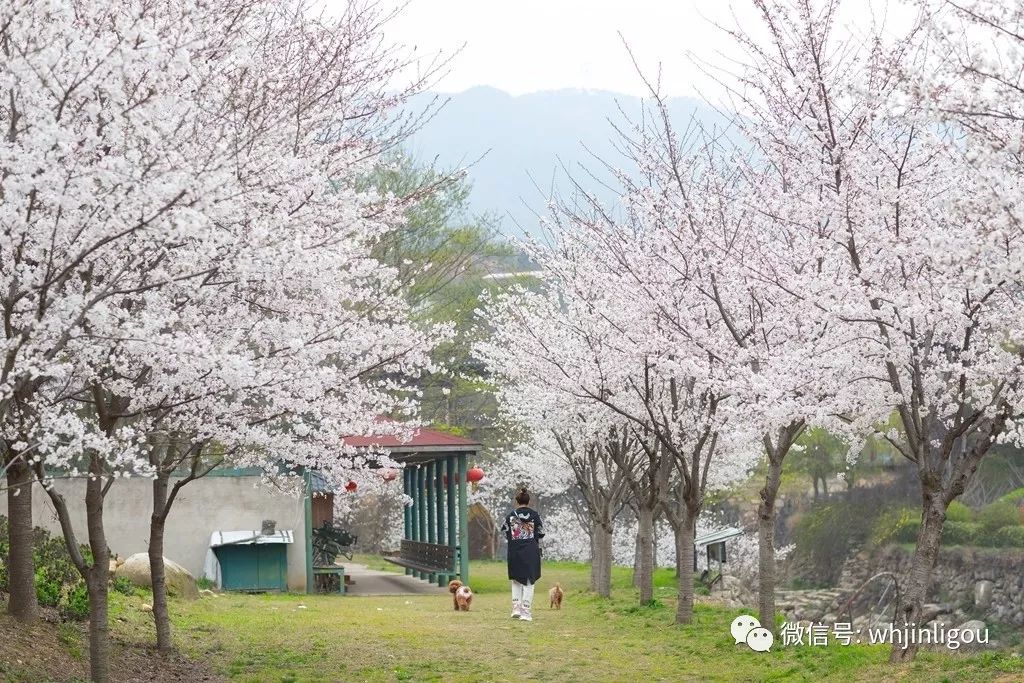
374, 582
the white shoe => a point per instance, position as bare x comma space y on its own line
517, 611
525, 615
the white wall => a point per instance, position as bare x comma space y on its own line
214, 503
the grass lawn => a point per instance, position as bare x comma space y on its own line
420, 638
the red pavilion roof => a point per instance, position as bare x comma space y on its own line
423, 439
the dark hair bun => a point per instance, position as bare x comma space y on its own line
523, 496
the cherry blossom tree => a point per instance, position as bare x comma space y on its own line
649, 481
83, 190
973, 75
563, 438
919, 274
602, 467
715, 237
209, 394
594, 334
826, 259
186, 252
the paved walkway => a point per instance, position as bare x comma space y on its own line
374, 582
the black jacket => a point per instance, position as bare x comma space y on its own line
523, 529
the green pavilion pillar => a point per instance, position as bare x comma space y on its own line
307, 509
421, 518
451, 499
417, 508
407, 510
440, 510
463, 520
431, 503
431, 499
421, 485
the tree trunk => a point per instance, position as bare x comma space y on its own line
654, 546
684, 570
914, 591
21, 569
96, 579
97, 574
161, 615
645, 562
601, 560
637, 552
99, 636
766, 545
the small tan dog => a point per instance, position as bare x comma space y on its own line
462, 596
555, 595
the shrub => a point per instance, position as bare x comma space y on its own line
47, 590
961, 533
52, 559
999, 514
958, 512
123, 586
58, 583
75, 604
1014, 497
985, 538
1009, 537
895, 526
908, 531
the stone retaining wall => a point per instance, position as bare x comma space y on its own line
986, 583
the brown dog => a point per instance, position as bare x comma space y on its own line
462, 596
555, 595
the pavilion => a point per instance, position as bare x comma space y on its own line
435, 543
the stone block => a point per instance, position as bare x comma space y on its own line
983, 594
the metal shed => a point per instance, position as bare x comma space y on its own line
249, 560
714, 543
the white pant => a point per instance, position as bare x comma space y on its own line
522, 595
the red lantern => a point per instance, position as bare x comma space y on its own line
390, 474
474, 475
351, 486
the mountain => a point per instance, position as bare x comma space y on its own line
518, 147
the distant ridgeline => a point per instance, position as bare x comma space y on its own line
530, 141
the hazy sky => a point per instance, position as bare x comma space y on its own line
533, 45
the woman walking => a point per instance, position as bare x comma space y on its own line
523, 530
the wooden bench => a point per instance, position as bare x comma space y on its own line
329, 541
324, 578
429, 558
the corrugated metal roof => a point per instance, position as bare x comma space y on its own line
716, 536
247, 537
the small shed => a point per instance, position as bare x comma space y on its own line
714, 544
249, 560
